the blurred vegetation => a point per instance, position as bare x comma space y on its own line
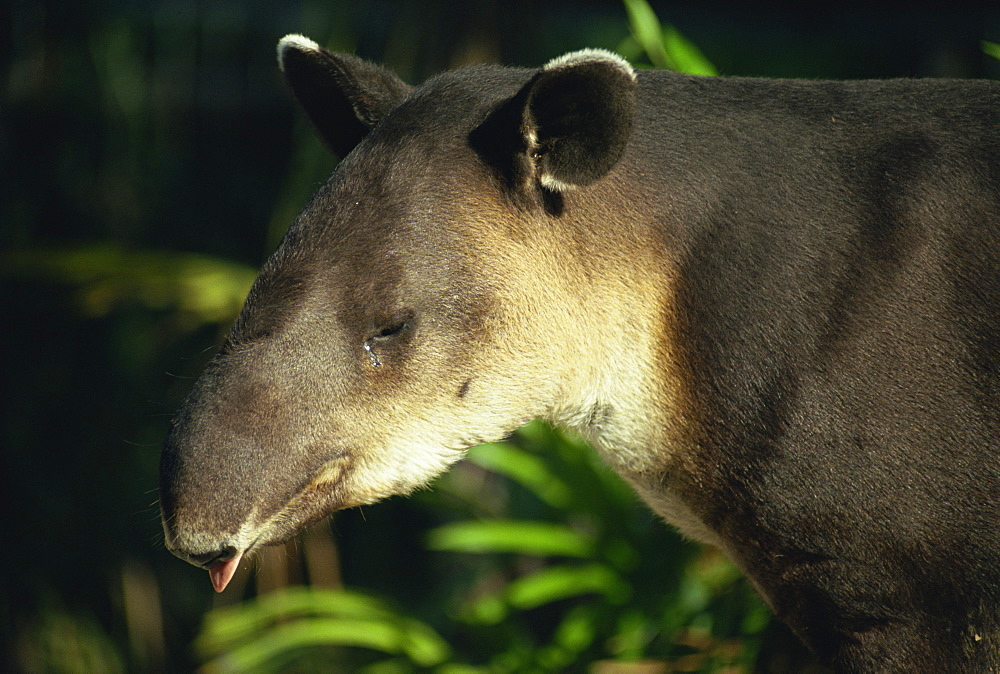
151, 161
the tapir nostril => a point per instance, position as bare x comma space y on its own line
210, 559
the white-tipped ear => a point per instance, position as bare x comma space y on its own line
344, 96
591, 55
566, 128
578, 117
294, 41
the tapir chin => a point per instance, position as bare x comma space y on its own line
772, 306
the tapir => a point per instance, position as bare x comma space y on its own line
772, 306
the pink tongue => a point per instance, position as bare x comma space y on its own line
222, 573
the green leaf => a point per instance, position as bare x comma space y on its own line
258, 631
458, 668
663, 45
756, 619
561, 582
524, 468
511, 536
486, 610
633, 633
647, 31
107, 275
227, 625
390, 666
577, 630
991, 48
422, 646
684, 55
537, 432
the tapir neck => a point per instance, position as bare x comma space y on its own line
624, 320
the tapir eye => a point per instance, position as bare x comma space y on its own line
385, 335
391, 330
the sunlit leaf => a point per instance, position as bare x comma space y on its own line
390, 666
253, 630
107, 275
486, 610
684, 56
232, 623
633, 52
756, 619
632, 634
423, 646
663, 45
715, 569
578, 629
576, 465
452, 668
560, 582
527, 469
647, 31
537, 432
510, 536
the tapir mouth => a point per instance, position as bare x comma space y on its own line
223, 572
221, 564
220, 553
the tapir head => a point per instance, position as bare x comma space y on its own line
415, 308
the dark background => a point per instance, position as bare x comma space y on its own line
136, 134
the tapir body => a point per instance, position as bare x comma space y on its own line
773, 307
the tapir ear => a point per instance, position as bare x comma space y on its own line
577, 117
344, 96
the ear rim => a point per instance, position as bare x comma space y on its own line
591, 54
549, 174
297, 40
343, 96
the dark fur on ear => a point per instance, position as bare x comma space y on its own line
567, 127
343, 96
578, 117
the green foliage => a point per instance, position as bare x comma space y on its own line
626, 588
529, 538
62, 641
265, 634
199, 288
663, 46
991, 48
